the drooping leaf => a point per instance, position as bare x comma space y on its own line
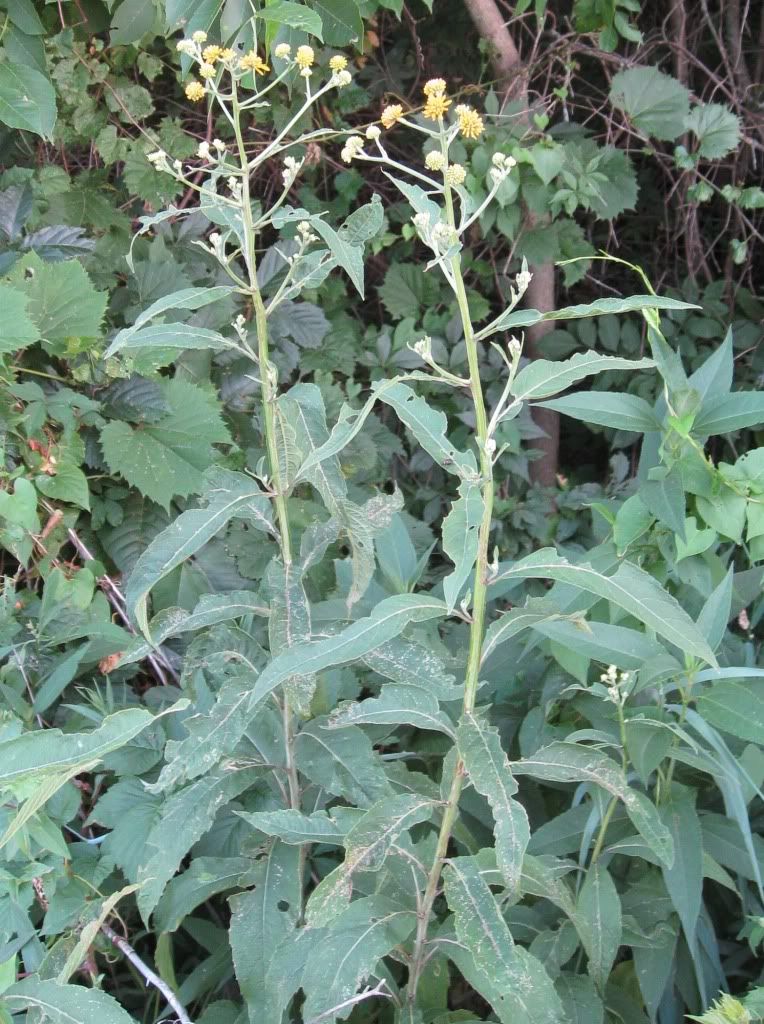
599, 922
460, 539
684, 878
656, 103
734, 706
717, 129
600, 307
205, 878
395, 705
295, 828
490, 773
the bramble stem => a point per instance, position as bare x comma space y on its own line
479, 598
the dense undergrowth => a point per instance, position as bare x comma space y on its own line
330, 690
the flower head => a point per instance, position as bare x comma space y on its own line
199, 37
253, 62
342, 78
206, 70
291, 170
338, 62
212, 53
305, 56
195, 91
436, 106
435, 87
283, 51
455, 174
228, 54
470, 123
186, 46
352, 148
391, 114
373, 132
435, 161
203, 152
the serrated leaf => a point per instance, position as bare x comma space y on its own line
18, 329
717, 129
600, 307
59, 242
168, 457
460, 539
655, 102
544, 377
513, 980
598, 920
65, 1004
15, 208
428, 425
629, 587
186, 816
490, 773
62, 301
341, 20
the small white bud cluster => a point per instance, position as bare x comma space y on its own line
373, 132
435, 161
283, 51
291, 170
240, 326
217, 246
615, 682
515, 347
353, 146
159, 161
423, 348
235, 187
306, 235
186, 46
444, 236
502, 165
341, 78
204, 152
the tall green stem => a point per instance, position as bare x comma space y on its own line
479, 600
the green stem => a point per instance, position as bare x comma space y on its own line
613, 802
479, 601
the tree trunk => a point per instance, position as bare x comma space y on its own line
512, 78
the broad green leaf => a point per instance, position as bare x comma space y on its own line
61, 299
298, 16
412, 664
717, 611
228, 495
27, 99
653, 965
295, 828
724, 413
348, 256
168, 457
389, 618
544, 377
34, 755
515, 983
598, 920
664, 497
341, 761
133, 20
186, 816
627, 648
630, 588
717, 129
428, 425
369, 841
734, 706
573, 762
261, 918
205, 878
600, 307
489, 770
395, 705
684, 879
64, 1004
656, 103
342, 23
19, 331
607, 409
460, 539
516, 620
580, 1000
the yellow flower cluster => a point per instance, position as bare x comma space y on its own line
253, 62
391, 114
338, 62
470, 122
195, 91
304, 56
437, 102
212, 53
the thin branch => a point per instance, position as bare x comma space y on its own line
151, 978
368, 993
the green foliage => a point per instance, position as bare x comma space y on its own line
306, 689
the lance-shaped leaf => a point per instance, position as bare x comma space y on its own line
347, 255
573, 762
684, 878
205, 878
516, 620
724, 413
428, 426
599, 922
630, 588
229, 495
513, 980
600, 307
186, 816
289, 624
177, 335
388, 620
295, 828
341, 761
411, 664
395, 705
261, 918
64, 1004
461, 529
489, 771
607, 409
50, 751
544, 377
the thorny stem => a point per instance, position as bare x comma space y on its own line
479, 599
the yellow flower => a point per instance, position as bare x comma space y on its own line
391, 114
455, 174
434, 87
227, 54
305, 56
207, 70
199, 37
195, 91
435, 161
338, 62
252, 62
436, 106
211, 53
470, 123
